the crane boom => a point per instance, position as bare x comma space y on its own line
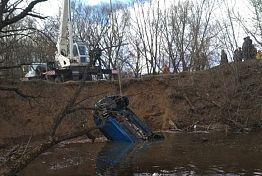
71, 59
70, 29
64, 44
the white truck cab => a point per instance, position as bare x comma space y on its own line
34, 70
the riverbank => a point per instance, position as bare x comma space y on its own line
224, 97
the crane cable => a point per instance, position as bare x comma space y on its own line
119, 81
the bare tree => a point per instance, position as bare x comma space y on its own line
105, 26
188, 30
227, 28
25, 46
252, 24
115, 40
176, 23
11, 11
147, 25
134, 60
90, 22
17, 31
201, 29
21, 159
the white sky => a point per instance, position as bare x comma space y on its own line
51, 7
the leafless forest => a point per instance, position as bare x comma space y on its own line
138, 38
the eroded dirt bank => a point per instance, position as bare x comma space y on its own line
229, 95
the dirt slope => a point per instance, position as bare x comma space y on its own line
228, 95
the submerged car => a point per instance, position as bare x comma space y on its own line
119, 123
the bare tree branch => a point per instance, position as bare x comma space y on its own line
37, 16
17, 91
27, 11
18, 165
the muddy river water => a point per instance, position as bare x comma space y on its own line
179, 154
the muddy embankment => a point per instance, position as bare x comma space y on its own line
228, 96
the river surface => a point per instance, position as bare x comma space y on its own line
179, 154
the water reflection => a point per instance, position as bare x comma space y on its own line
115, 156
110, 156
178, 154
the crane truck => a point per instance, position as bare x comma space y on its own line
72, 60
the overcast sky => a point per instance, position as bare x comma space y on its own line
95, 2
51, 7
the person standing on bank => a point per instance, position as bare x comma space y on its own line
224, 59
97, 52
237, 57
247, 48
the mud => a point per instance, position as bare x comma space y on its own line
226, 97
